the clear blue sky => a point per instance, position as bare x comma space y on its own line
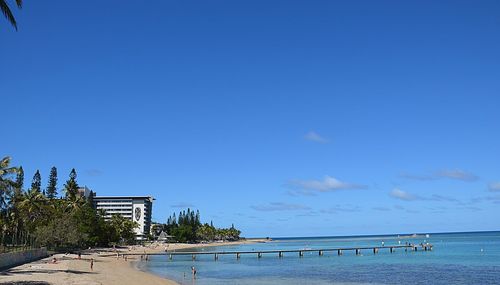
285, 117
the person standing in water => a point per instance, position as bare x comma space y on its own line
193, 270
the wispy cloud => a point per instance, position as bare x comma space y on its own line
412, 211
406, 196
340, 209
182, 205
455, 174
418, 177
308, 214
471, 208
328, 184
93, 172
494, 187
279, 206
458, 175
436, 197
315, 137
477, 200
403, 195
381, 209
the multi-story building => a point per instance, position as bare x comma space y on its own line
135, 208
85, 192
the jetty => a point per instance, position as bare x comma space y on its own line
300, 252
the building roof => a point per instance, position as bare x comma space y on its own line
123, 197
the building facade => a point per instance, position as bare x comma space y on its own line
135, 208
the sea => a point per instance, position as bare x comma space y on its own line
456, 258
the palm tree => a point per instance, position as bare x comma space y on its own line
6, 182
33, 208
8, 13
6, 185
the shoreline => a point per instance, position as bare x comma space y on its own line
107, 269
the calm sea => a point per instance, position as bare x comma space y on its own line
457, 258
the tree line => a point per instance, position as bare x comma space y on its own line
187, 227
42, 216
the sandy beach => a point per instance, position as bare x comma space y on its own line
107, 269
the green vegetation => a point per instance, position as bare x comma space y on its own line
188, 228
41, 218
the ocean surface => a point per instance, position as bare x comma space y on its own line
457, 258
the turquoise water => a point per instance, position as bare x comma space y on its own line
457, 258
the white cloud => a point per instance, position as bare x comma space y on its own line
328, 184
403, 195
278, 206
436, 197
494, 187
382, 209
418, 177
455, 174
339, 209
315, 137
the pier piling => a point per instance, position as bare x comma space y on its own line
281, 252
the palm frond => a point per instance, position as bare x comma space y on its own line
4, 162
8, 13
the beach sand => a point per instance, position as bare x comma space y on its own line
108, 270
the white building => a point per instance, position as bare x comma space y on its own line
136, 208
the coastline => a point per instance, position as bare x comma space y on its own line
107, 270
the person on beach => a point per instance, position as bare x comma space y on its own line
79, 255
91, 264
54, 260
193, 270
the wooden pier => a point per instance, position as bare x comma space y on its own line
300, 252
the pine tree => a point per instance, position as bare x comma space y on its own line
71, 186
90, 199
52, 186
20, 179
36, 183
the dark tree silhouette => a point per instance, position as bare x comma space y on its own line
8, 13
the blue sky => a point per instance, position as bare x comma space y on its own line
285, 117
